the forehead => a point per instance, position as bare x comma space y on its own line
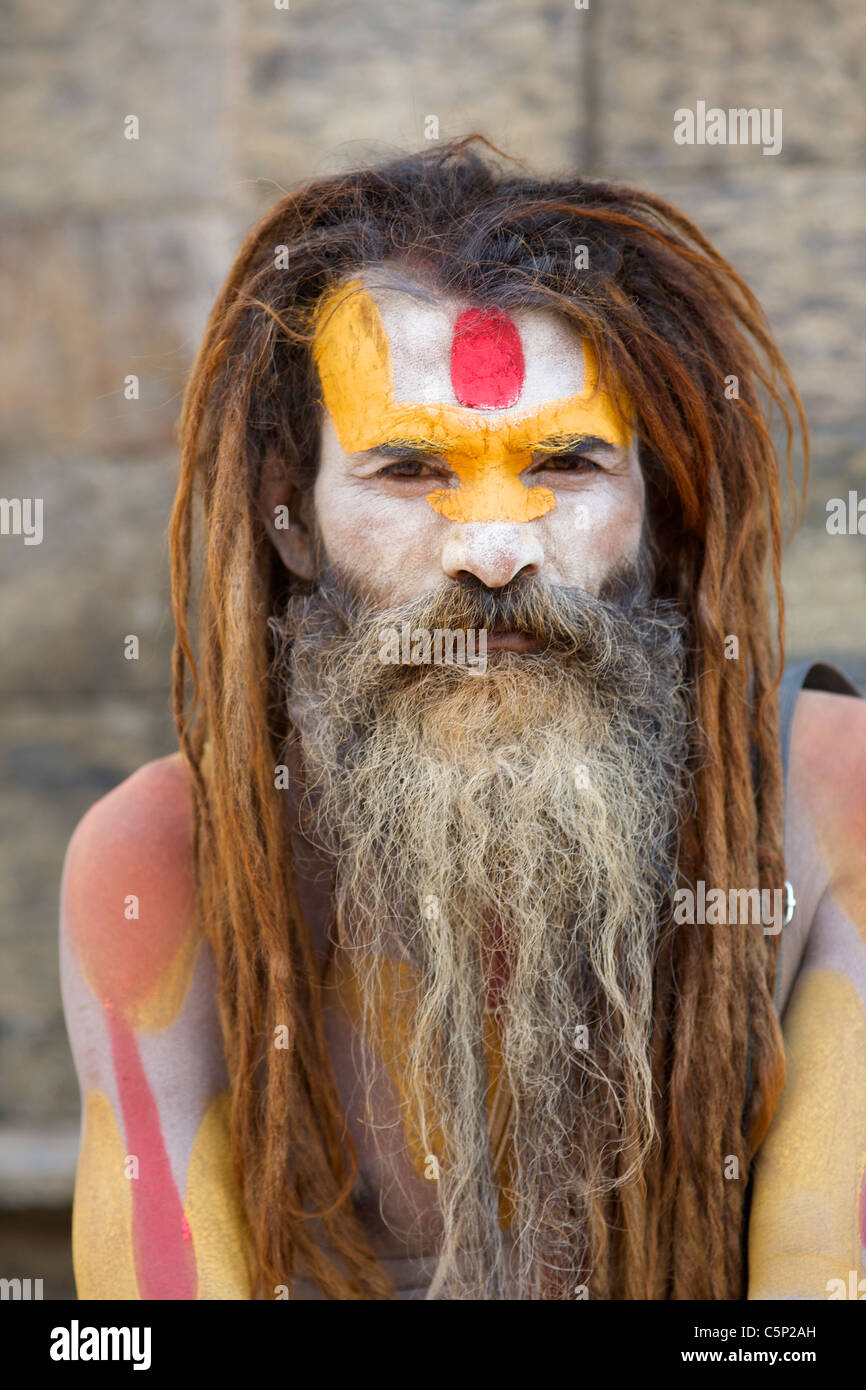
400, 363
445, 350
403, 367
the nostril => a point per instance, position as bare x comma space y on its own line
493, 552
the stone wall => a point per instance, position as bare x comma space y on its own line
112, 250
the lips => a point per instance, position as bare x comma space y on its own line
511, 641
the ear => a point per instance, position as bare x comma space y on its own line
287, 512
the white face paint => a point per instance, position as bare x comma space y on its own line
420, 334
372, 509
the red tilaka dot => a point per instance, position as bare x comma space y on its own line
487, 367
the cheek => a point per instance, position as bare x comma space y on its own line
593, 533
389, 546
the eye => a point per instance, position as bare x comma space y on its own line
567, 463
413, 468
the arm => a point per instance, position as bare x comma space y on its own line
808, 1223
157, 1212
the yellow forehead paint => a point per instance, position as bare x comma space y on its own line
353, 358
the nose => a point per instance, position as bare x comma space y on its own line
493, 551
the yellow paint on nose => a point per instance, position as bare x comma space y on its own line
490, 488
353, 359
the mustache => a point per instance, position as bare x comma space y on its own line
593, 632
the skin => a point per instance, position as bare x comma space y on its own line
140, 994
361, 497
485, 453
156, 1211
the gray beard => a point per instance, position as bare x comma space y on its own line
512, 837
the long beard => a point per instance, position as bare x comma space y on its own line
511, 837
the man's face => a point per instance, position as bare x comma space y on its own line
458, 441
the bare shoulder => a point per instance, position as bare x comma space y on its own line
825, 814
828, 740
130, 862
828, 762
144, 824
140, 999
148, 814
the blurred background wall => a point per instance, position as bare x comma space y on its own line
111, 251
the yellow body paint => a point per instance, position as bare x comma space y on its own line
803, 1230
102, 1244
102, 1252
214, 1210
353, 358
158, 1009
395, 1023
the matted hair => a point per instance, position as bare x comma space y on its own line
671, 321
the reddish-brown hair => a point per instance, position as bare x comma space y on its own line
672, 322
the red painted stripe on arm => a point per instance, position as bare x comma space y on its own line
162, 1242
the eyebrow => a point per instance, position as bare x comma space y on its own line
575, 444
552, 444
405, 448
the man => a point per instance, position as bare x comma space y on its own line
433, 967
